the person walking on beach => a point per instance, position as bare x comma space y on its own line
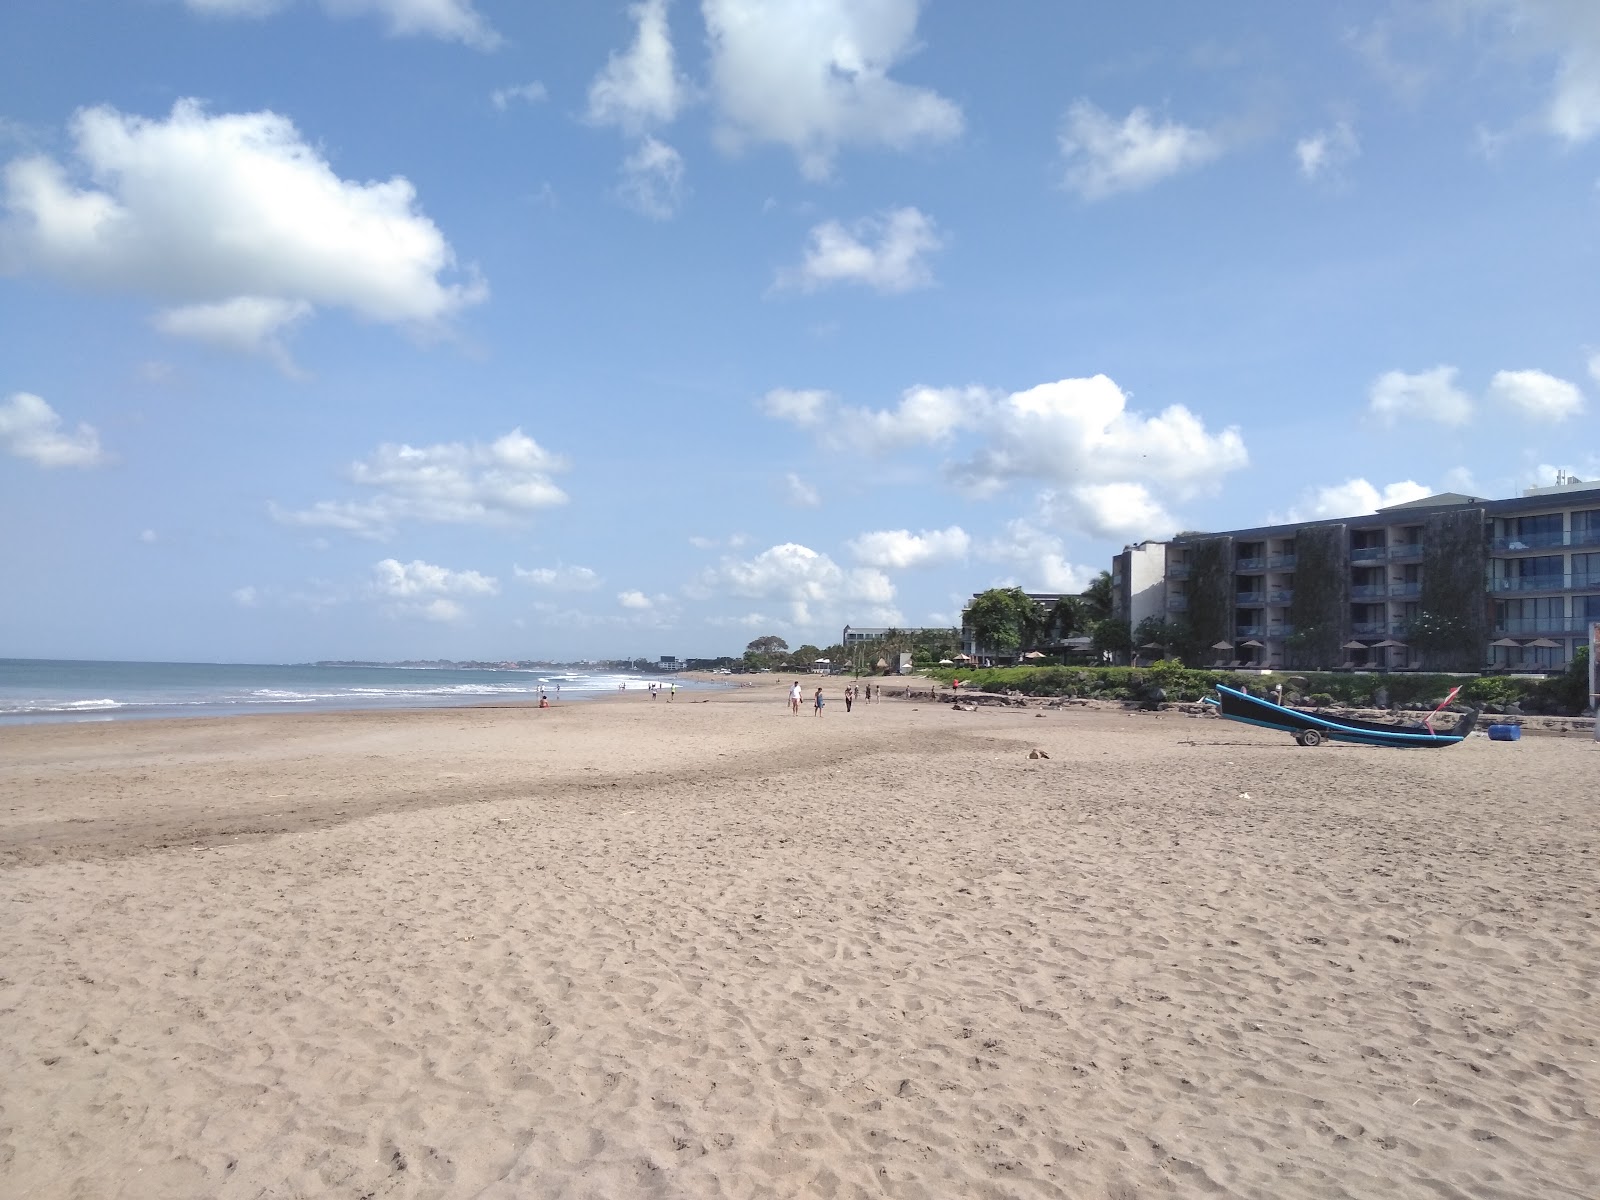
849, 697
818, 701
672, 691
794, 698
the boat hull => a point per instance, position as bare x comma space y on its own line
1311, 728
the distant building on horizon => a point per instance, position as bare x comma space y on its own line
855, 634
1501, 584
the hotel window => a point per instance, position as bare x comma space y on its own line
1585, 569
1585, 525
1543, 530
1586, 608
1543, 566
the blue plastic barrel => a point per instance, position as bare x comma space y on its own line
1505, 733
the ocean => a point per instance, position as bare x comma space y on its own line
39, 690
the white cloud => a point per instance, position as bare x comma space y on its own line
1536, 395
803, 408
640, 88
813, 75
1327, 151
31, 429
1428, 395
925, 416
1040, 556
1460, 479
1567, 31
1594, 367
1105, 156
899, 549
532, 93
1110, 510
652, 180
502, 482
247, 324
424, 590
799, 493
560, 578
634, 600
246, 597
233, 220
1080, 432
449, 20
148, 536
884, 253
1353, 498
812, 589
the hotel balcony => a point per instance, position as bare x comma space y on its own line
1280, 562
1279, 631
1405, 590
1177, 570
1528, 626
1544, 583
1249, 631
1370, 628
1177, 604
1249, 599
1369, 591
1543, 541
1368, 554
1280, 595
1249, 565
1406, 550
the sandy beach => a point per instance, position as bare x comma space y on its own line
700, 947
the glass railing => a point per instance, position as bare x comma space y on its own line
1369, 591
1177, 603
1178, 571
1585, 579
1405, 589
1249, 599
1540, 625
1406, 550
1279, 631
1250, 564
1585, 537
1369, 628
1248, 631
1538, 583
1280, 562
1367, 553
1530, 541
1281, 595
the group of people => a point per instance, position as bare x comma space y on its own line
852, 693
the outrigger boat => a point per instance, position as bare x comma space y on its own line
1312, 729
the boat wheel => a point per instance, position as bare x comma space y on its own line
1309, 737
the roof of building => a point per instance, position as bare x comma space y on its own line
1442, 500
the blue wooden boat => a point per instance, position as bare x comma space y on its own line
1312, 729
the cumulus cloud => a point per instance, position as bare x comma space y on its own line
1038, 555
1109, 510
813, 75
899, 549
652, 180
1566, 31
806, 409
1536, 395
424, 590
1427, 395
1328, 151
925, 416
247, 324
232, 220
1353, 498
640, 87
635, 600
464, 483
449, 20
559, 578
799, 493
1104, 156
810, 588
31, 429
887, 254
531, 93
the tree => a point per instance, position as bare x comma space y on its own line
802, 658
1437, 634
1097, 599
1111, 634
770, 644
1001, 618
1068, 617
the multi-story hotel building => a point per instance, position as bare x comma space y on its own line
1449, 582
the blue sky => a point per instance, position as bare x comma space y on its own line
456, 328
